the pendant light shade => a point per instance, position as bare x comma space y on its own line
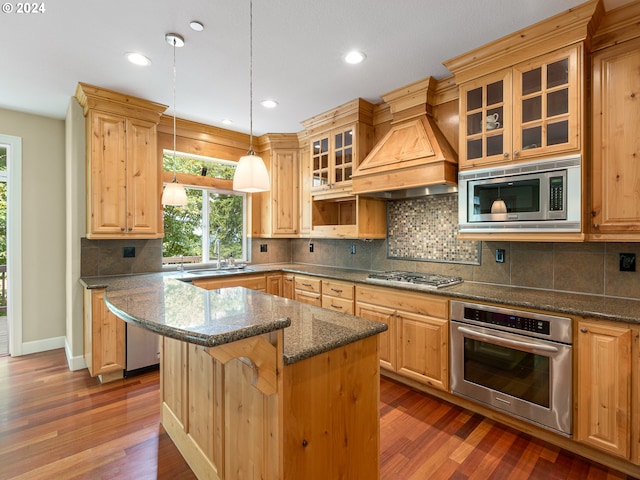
251, 174
498, 206
174, 192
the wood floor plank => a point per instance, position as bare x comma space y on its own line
65, 425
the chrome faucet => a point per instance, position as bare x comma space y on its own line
216, 250
181, 266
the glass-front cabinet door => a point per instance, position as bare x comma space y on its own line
546, 106
333, 159
320, 162
485, 121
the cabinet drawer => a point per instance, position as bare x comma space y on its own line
308, 284
416, 302
311, 298
337, 304
337, 289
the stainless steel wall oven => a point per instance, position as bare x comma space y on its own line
513, 361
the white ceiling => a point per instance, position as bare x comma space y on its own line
298, 49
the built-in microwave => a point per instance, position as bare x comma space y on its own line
524, 197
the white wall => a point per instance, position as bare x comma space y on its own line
43, 228
75, 213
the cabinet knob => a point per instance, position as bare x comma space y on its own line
506, 154
130, 228
516, 153
596, 225
122, 229
584, 330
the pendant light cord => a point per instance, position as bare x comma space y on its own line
251, 152
174, 111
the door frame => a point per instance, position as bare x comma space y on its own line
14, 241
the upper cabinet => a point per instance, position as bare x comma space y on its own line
615, 196
123, 168
530, 110
276, 212
529, 103
338, 141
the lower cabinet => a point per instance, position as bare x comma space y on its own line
274, 283
416, 345
607, 410
254, 282
104, 338
288, 286
308, 290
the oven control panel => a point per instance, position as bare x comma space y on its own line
533, 324
542, 327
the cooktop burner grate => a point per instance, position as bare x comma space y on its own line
419, 280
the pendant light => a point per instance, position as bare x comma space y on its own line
498, 205
174, 192
251, 174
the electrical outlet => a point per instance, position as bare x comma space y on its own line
627, 262
499, 255
352, 249
263, 248
128, 252
311, 247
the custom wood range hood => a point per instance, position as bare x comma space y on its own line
414, 158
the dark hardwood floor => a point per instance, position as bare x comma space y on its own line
64, 425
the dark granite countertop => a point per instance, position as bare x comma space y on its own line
594, 306
173, 308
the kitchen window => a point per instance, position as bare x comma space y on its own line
215, 215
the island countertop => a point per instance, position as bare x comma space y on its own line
182, 311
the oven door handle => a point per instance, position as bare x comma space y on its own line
506, 342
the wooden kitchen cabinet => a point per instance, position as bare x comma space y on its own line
276, 212
615, 196
416, 345
530, 110
123, 165
603, 364
338, 296
353, 216
288, 286
254, 282
274, 283
308, 290
104, 338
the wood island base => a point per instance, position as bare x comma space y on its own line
236, 411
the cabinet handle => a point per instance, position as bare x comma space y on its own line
306, 284
506, 154
516, 153
130, 228
336, 306
122, 229
584, 330
336, 290
595, 225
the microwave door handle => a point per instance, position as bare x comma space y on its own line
507, 343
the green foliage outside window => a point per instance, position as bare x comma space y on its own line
184, 226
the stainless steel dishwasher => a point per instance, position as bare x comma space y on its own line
143, 350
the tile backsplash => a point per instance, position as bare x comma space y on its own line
427, 229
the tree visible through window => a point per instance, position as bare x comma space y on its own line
212, 215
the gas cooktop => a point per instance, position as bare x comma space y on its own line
426, 281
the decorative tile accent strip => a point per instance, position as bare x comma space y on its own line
426, 229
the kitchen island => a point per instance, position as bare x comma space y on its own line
258, 386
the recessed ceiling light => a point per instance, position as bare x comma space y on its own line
354, 57
269, 103
226, 121
197, 26
138, 59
